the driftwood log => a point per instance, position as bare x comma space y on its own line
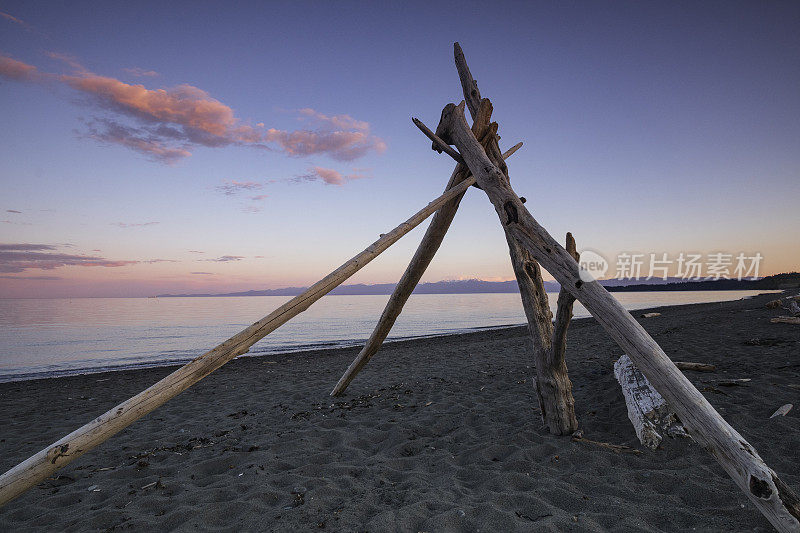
783, 410
648, 411
786, 320
553, 386
416, 268
697, 367
761, 484
38, 467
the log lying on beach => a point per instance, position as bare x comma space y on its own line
38, 467
697, 367
782, 410
786, 320
648, 411
739, 459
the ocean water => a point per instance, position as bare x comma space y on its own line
51, 337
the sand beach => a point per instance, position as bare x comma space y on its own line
437, 434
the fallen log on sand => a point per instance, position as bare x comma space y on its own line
786, 320
782, 410
648, 411
697, 367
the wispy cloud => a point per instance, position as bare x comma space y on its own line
166, 124
226, 258
330, 176
134, 224
203, 273
15, 20
19, 257
195, 252
17, 70
231, 187
151, 261
38, 278
140, 72
12, 211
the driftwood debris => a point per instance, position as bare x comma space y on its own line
739, 459
650, 315
782, 410
789, 302
697, 367
648, 411
786, 320
38, 467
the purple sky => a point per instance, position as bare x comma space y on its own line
191, 147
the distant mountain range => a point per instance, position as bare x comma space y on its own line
471, 286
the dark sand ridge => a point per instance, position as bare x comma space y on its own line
437, 434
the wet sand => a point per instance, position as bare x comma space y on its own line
438, 434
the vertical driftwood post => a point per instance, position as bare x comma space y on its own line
62, 452
553, 387
739, 459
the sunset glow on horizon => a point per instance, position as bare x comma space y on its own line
175, 150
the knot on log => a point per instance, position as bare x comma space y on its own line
55, 453
760, 488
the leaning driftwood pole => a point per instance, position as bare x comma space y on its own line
761, 484
553, 387
416, 268
35, 469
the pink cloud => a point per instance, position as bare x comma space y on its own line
259, 197
17, 70
330, 176
169, 122
24, 256
226, 258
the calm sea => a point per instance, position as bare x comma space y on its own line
40, 338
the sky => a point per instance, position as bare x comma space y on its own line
155, 147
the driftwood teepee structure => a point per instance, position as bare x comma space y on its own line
480, 163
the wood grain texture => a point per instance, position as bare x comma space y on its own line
38, 467
739, 459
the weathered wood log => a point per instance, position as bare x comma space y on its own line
650, 315
786, 320
782, 410
648, 411
416, 268
38, 467
697, 367
553, 386
739, 459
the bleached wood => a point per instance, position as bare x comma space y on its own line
786, 320
697, 367
739, 459
649, 413
38, 467
782, 410
416, 268
553, 386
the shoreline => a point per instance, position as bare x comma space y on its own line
258, 351
436, 433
